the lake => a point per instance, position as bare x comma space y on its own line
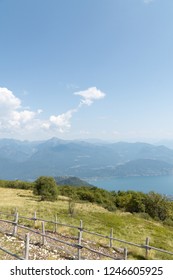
159, 184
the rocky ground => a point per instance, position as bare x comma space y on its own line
52, 249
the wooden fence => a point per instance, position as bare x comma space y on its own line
78, 245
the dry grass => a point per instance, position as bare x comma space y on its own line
95, 218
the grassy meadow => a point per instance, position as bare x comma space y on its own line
126, 226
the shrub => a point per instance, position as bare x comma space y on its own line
136, 203
17, 184
46, 187
168, 222
71, 207
157, 206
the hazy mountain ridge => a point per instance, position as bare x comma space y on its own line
57, 157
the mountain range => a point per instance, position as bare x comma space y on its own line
27, 160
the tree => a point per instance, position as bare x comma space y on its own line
157, 206
46, 187
123, 198
136, 203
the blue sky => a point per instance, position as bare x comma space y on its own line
78, 69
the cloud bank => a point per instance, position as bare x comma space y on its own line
12, 116
14, 119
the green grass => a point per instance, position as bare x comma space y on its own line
125, 226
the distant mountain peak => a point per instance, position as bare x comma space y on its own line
54, 157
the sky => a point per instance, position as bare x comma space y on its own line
76, 69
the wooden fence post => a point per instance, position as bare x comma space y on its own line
111, 237
147, 249
43, 233
15, 223
35, 218
26, 256
125, 253
80, 239
56, 219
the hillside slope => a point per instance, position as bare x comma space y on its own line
129, 227
71, 181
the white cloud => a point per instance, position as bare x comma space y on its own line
23, 116
16, 120
8, 101
63, 121
11, 114
90, 95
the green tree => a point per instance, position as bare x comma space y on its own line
46, 187
136, 203
157, 206
123, 198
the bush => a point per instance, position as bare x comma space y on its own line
46, 187
168, 222
136, 203
151, 205
17, 184
157, 206
123, 199
144, 216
